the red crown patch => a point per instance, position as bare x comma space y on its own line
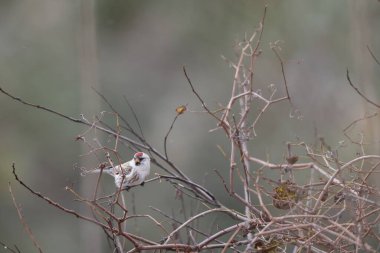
139, 154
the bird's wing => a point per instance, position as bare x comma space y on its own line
133, 178
127, 168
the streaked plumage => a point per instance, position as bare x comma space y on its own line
130, 173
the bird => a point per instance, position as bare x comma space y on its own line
129, 173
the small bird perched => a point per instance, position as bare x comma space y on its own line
130, 173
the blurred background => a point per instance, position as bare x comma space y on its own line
53, 52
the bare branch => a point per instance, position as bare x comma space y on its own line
282, 71
345, 130
206, 195
167, 134
55, 204
359, 92
333, 210
200, 99
23, 222
135, 117
230, 239
255, 52
373, 55
193, 218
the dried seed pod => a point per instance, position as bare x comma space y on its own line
181, 109
325, 196
270, 246
79, 138
285, 195
292, 159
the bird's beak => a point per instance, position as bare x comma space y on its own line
137, 161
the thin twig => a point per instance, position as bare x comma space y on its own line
167, 134
345, 130
282, 71
191, 219
359, 92
231, 238
210, 198
200, 98
42, 107
23, 222
150, 218
219, 234
134, 116
111, 106
80, 121
255, 53
57, 205
180, 222
373, 55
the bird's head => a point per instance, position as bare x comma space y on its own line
141, 157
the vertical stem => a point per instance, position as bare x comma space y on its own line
247, 195
244, 106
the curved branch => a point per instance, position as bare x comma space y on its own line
358, 91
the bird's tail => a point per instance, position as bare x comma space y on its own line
107, 170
